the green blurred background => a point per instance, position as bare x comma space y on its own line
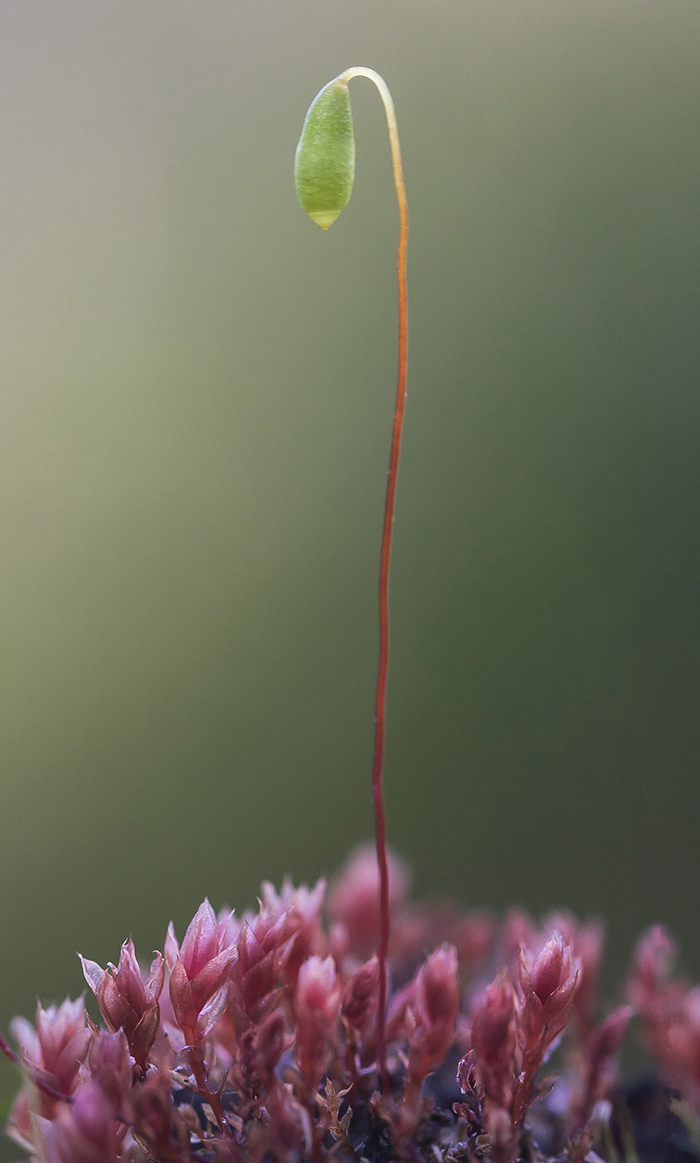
197, 386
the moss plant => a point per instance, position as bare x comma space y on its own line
352, 1024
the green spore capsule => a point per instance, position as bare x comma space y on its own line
324, 166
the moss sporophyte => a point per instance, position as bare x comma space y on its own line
324, 172
352, 1024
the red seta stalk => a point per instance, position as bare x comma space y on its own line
383, 664
385, 563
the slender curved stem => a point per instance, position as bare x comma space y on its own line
211, 1096
385, 561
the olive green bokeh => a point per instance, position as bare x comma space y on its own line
324, 164
196, 398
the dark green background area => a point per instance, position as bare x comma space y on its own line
195, 403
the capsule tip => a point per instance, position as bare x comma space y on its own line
324, 218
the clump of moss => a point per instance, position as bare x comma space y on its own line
255, 1040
